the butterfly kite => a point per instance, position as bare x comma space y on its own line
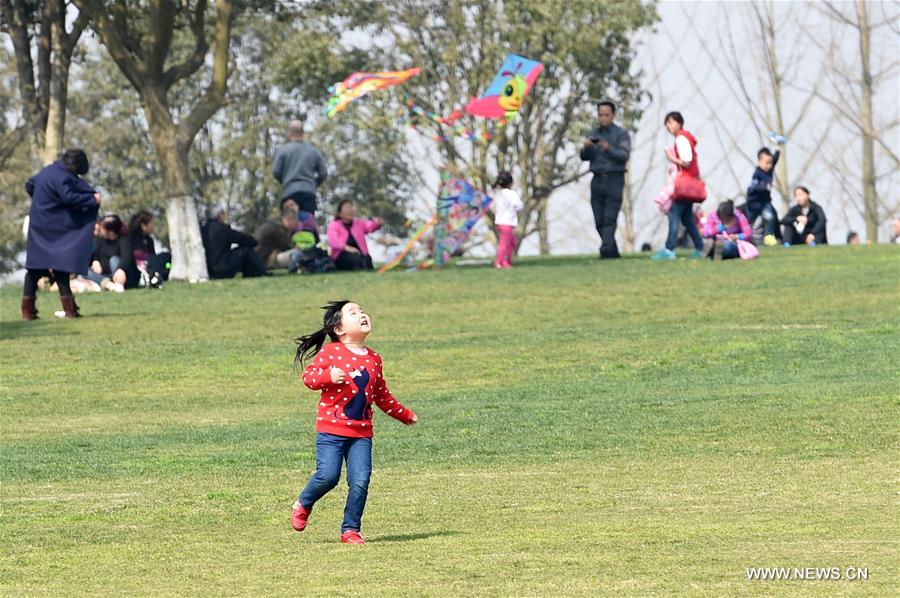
504, 96
359, 84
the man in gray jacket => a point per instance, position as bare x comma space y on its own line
607, 148
300, 168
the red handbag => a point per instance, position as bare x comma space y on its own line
688, 189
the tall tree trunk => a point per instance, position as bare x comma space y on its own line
185, 242
55, 129
628, 230
43, 96
781, 183
543, 227
870, 197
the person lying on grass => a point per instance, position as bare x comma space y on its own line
350, 377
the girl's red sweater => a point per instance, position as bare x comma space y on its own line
345, 409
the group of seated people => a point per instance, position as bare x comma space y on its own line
123, 257
804, 224
290, 242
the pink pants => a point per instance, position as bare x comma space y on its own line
506, 245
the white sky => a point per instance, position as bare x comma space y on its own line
715, 116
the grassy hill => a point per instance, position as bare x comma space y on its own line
586, 428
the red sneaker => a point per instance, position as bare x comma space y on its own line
351, 536
299, 517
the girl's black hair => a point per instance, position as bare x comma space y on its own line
310, 344
113, 224
726, 210
504, 179
676, 116
141, 217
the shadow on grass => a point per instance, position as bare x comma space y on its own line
22, 329
412, 537
50, 325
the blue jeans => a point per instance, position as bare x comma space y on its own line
682, 212
729, 250
331, 451
755, 210
114, 262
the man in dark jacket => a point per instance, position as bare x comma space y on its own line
60, 229
221, 260
607, 148
805, 222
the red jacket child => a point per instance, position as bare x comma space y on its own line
345, 408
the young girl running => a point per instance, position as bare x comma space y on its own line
350, 377
506, 204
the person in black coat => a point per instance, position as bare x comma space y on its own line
221, 260
147, 264
805, 222
60, 229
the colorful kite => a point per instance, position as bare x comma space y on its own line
412, 242
460, 206
504, 96
359, 84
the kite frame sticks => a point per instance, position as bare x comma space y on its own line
415, 239
453, 190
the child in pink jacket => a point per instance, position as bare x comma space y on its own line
723, 228
347, 238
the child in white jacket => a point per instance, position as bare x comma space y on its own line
506, 205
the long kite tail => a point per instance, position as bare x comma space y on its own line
415, 238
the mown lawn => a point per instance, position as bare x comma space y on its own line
586, 428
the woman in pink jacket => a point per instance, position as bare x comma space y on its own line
723, 228
347, 238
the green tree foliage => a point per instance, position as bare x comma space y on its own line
584, 45
15, 164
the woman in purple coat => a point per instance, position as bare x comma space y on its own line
60, 230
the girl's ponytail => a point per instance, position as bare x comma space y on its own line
310, 344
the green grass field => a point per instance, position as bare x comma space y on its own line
586, 428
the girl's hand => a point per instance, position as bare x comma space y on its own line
96, 267
337, 375
413, 421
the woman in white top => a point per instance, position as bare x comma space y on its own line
506, 205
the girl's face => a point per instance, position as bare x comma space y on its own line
355, 323
673, 126
149, 228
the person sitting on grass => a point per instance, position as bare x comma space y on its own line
221, 260
805, 222
112, 255
148, 266
722, 230
347, 238
275, 245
